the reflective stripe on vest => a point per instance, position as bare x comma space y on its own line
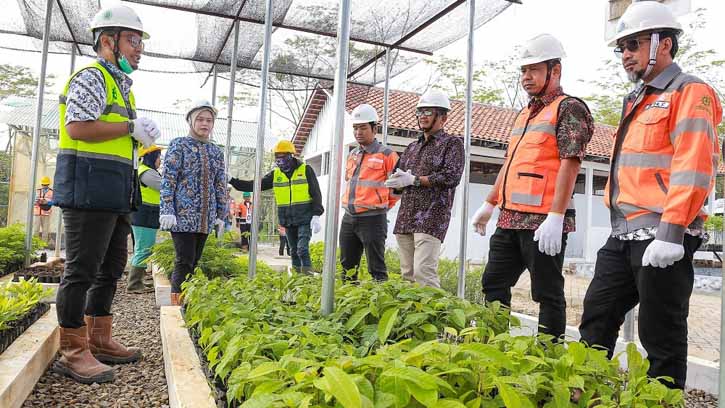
532, 161
365, 175
290, 192
664, 158
149, 196
98, 175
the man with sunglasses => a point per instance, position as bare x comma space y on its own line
427, 174
662, 169
97, 187
535, 186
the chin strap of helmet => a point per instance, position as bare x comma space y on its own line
653, 45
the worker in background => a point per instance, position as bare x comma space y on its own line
535, 186
193, 192
366, 200
298, 198
427, 174
97, 187
145, 221
42, 209
663, 167
244, 217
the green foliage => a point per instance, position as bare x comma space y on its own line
19, 81
12, 245
393, 345
16, 299
215, 261
714, 223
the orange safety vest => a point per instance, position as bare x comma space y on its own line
365, 175
665, 156
532, 162
232, 208
40, 194
245, 212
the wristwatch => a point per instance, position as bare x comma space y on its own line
416, 181
130, 127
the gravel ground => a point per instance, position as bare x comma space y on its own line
700, 399
143, 384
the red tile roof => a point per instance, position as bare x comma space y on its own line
490, 123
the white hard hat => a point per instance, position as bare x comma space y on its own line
364, 114
644, 16
200, 104
543, 47
118, 16
434, 98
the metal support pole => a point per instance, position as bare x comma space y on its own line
462, 252
261, 127
333, 186
59, 226
629, 326
230, 109
386, 118
589, 190
721, 389
36, 134
213, 88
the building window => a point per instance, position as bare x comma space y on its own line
600, 183
484, 173
316, 164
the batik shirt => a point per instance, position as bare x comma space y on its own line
86, 97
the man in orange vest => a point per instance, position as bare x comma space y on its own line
244, 215
535, 186
42, 209
366, 200
663, 167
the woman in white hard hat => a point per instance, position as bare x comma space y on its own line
193, 192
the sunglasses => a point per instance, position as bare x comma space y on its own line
631, 45
425, 112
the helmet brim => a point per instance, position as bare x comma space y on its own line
144, 34
634, 31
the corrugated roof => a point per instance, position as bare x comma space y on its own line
20, 111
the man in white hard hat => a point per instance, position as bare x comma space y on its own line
663, 168
535, 186
428, 172
97, 187
366, 200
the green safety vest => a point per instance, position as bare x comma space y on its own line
291, 192
149, 196
98, 175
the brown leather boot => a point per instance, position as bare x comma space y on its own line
104, 347
77, 361
176, 299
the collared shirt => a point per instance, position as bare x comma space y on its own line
428, 209
86, 97
575, 128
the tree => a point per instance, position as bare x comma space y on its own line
19, 81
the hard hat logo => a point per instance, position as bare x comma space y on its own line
107, 15
542, 48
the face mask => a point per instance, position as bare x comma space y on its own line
284, 163
125, 65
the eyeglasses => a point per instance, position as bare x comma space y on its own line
424, 112
631, 45
135, 41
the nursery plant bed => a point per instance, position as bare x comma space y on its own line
27, 358
43, 273
188, 387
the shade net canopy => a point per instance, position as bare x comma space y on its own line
201, 33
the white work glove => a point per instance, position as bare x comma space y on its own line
549, 234
315, 224
218, 223
145, 131
661, 254
481, 217
400, 179
167, 221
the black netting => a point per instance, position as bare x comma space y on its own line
303, 42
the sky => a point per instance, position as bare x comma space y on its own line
579, 24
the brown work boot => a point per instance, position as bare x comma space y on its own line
104, 347
135, 281
176, 299
76, 360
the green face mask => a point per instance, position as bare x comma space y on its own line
125, 65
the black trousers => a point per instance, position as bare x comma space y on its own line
510, 253
283, 244
96, 244
364, 233
243, 230
663, 294
188, 247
